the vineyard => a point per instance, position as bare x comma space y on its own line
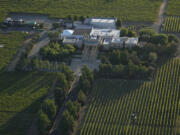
134, 107
129, 10
172, 24
20, 97
173, 7
10, 43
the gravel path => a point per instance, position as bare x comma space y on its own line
157, 25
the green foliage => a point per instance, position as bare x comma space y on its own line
21, 95
114, 101
147, 31
43, 122
49, 108
73, 108
66, 123
67, 71
53, 36
172, 38
60, 95
62, 82
11, 42
119, 23
153, 57
81, 97
173, 7
139, 10
56, 52
124, 32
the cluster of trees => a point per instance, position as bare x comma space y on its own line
125, 32
70, 114
127, 64
49, 107
163, 44
46, 115
57, 52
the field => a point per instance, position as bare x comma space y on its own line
173, 7
11, 42
154, 103
172, 24
128, 10
21, 95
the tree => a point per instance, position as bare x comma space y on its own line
49, 108
67, 71
53, 35
153, 57
73, 108
62, 82
70, 48
131, 33
172, 38
60, 95
124, 57
119, 69
160, 39
147, 31
135, 58
119, 23
87, 73
85, 84
124, 32
114, 57
133, 69
66, 123
43, 122
36, 63
81, 97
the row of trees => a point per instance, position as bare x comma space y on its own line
46, 115
127, 64
57, 52
71, 113
149, 35
49, 107
125, 32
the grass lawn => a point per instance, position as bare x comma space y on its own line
154, 103
21, 95
11, 42
173, 7
128, 10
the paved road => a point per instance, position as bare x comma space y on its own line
157, 25
15, 60
88, 58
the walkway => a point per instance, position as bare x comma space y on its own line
157, 25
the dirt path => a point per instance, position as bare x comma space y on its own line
33, 129
161, 17
15, 60
43, 41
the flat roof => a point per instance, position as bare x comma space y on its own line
105, 32
103, 20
